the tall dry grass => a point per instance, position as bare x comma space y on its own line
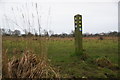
28, 66
4, 64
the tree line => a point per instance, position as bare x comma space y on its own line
9, 32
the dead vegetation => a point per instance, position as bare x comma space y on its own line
29, 66
105, 62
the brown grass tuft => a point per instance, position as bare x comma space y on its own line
30, 66
104, 62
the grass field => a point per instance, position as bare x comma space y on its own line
60, 51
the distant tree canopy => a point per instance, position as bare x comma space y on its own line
16, 33
9, 32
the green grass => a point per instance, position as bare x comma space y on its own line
61, 53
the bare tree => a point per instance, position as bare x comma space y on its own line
16, 33
45, 32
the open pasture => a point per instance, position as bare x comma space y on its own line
60, 52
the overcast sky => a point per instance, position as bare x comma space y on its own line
58, 16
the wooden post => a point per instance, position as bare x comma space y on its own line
0, 53
78, 34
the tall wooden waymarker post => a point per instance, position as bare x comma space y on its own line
78, 34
